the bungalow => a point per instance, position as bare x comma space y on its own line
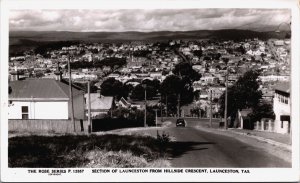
100, 105
43, 99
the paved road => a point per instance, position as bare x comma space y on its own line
197, 148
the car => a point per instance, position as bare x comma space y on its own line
180, 122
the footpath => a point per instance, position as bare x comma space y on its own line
277, 139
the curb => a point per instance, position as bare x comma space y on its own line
272, 142
269, 141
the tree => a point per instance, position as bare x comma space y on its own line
185, 70
152, 87
243, 94
84, 86
112, 87
179, 84
111, 62
198, 53
138, 92
262, 110
121, 112
39, 74
171, 87
241, 49
197, 111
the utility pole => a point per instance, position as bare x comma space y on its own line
89, 108
226, 88
166, 105
145, 117
71, 95
210, 116
178, 112
178, 108
155, 117
161, 114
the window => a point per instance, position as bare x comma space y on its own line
24, 112
286, 101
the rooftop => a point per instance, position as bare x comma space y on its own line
283, 87
41, 89
100, 102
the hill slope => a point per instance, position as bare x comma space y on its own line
20, 40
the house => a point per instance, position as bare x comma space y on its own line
100, 105
123, 103
273, 77
156, 75
278, 42
203, 95
216, 92
43, 99
282, 108
243, 120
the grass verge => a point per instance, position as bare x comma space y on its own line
109, 150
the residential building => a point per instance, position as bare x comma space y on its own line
273, 77
282, 108
43, 99
216, 92
124, 103
100, 105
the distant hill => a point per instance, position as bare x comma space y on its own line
28, 39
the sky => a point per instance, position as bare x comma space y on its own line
148, 20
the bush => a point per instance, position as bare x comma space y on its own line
108, 123
163, 141
83, 151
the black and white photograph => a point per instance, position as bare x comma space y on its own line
164, 90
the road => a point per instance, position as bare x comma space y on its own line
199, 148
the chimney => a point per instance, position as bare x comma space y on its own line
58, 73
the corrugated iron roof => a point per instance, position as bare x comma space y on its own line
40, 88
97, 102
284, 87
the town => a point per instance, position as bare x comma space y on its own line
118, 73
150, 88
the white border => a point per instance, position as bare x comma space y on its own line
257, 174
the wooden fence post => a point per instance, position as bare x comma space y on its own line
262, 125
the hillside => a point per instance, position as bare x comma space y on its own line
22, 40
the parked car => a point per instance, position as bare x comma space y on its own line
180, 122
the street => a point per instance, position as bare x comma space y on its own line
199, 148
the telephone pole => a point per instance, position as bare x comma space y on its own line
155, 117
161, 114
178, 109
226, 88
145, 117
71, 95
166, 105
210, 116
90, 129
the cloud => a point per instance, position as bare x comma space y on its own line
146, 20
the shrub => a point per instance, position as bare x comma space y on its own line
163, 141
